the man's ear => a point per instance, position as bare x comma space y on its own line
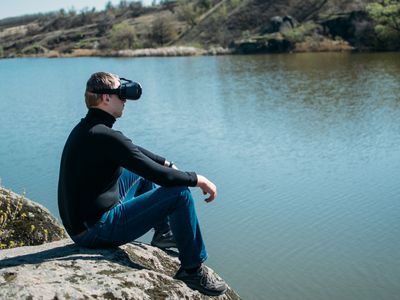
105, 98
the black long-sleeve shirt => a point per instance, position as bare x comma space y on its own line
91, 163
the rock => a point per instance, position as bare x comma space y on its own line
355, 27
288, 24
219, 51
280, 24
24, 222
274, 24
271, 43
62, 270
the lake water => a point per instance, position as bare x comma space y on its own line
304, 150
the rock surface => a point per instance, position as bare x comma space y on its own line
62, 270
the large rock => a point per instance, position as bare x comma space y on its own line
62, 270
280, 24
25, 223
271, 43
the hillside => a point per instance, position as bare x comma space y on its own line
244, 26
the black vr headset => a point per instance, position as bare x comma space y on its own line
128, 90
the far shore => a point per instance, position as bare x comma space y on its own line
176, 51
147, 52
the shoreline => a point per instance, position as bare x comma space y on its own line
173, 51
185, 51
127, 54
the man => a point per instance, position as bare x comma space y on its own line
107, 194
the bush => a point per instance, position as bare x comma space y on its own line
386, 16
122, 36
104, 44
23, 223
299, 34
188, 12
162, 31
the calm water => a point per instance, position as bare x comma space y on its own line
304, 149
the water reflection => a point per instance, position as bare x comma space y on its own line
310, 96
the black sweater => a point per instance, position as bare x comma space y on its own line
91, 164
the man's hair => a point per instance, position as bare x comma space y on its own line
99, 80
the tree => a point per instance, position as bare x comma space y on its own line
123, 36
62, 13
109, 6
162, 30
123, 4
104, 25
135, 8
187, 11
386, 16
205, 4
72, 12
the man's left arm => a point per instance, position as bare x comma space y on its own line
157, 158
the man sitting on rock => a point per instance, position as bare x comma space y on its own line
107, 194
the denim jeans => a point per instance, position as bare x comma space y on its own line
143, 206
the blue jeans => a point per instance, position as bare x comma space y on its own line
143, 206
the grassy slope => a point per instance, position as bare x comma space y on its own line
251, 16
226, 21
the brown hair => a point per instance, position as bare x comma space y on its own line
99, 80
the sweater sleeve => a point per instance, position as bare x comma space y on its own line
128, 155
158, 159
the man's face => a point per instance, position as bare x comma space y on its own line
115, 104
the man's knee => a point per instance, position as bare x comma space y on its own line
183, 193
181, 189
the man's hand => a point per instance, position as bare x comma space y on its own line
207, 187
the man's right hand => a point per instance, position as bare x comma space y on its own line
207, 187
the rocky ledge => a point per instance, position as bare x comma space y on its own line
61, 270
58, 269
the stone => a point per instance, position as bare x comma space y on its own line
56, 268
280, 24
62, 270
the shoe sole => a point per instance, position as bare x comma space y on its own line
203, 290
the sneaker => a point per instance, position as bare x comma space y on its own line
203, 281
163, 240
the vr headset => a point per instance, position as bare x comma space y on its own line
127, 90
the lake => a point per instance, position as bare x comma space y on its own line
304, 150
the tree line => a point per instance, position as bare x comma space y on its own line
116, 28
